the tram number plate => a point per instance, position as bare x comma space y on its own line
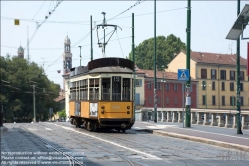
116, 78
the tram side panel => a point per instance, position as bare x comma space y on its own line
115, 110
85, 106
71, 108
118, 115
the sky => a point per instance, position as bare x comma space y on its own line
210, 23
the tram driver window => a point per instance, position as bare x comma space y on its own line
116, 88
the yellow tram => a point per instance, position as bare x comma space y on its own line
101, 94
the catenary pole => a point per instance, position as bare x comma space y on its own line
91, 38
34, 103
155, 100
133, 59
238, 79
188, 98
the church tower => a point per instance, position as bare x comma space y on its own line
67, 56
20, 52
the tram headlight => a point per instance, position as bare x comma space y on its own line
128, 107
102, 111
103, 107
128, 112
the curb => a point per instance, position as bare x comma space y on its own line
198, 139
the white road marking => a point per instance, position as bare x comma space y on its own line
32, 129
195, 130
48, 128
160, 126
137, 128
113, 143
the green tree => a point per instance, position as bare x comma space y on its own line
62, 114
17, 93
166, 49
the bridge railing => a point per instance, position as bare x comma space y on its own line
220, 118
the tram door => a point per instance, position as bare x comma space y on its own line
116, 88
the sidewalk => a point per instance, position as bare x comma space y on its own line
220, 136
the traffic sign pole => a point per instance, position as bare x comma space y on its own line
183, 75
188, 30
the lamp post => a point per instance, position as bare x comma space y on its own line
80, 54
34, 100
163, 92
155, 102
205, 86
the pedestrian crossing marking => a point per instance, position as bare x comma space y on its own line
183, 75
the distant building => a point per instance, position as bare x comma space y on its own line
169, 91
67, 56
20, 52
216, 74
67, 65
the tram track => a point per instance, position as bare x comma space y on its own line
130, 163
72, 160
137, 143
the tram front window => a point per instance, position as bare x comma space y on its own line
116, 88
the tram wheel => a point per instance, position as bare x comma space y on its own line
89, 127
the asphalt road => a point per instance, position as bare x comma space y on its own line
111, 148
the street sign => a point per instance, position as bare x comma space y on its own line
183, 74
50, 110
17, 22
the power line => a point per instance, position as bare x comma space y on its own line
137, 3
63, 48
39, 10
31, 20
46, 17
120, 44
83, 38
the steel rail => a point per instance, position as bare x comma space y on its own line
70, 158
130, 163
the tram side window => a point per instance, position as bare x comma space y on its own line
81, 83
85, 89
73, 91
106, 85
94, 89
126, 89
116, 88
77, 90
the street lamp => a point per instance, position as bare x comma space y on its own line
80, 54
163, 91
204, 86
34, 99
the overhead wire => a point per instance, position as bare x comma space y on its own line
83, 38
46, 17
137, 3
62, 48
120, 44
39, 10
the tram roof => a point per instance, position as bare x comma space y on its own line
104, 65
111, 70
